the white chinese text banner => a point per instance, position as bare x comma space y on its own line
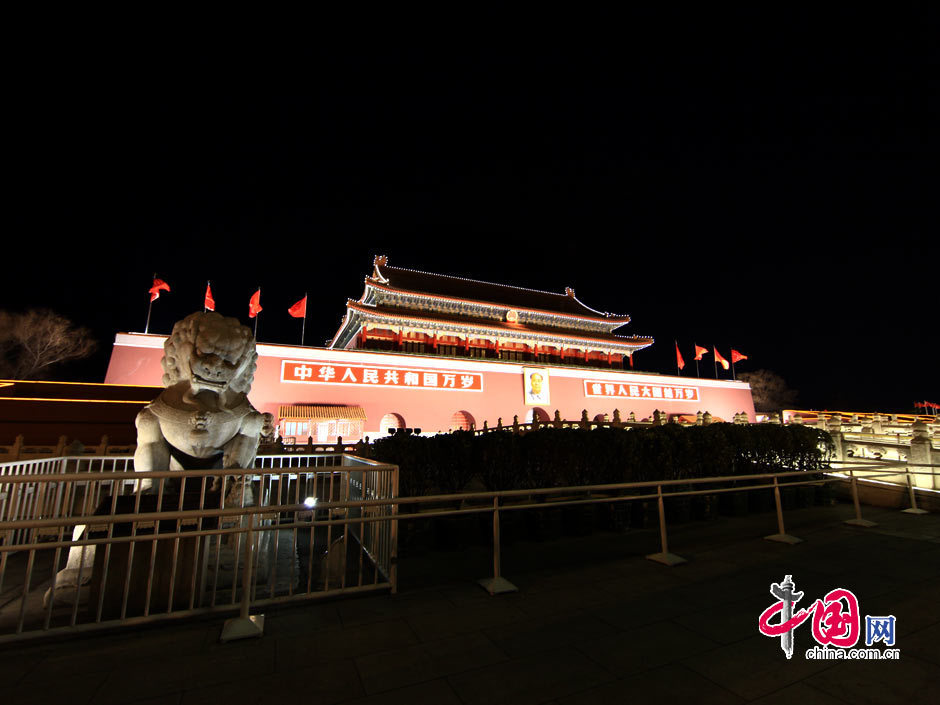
674, 392
380, 376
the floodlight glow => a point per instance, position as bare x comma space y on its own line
310, 502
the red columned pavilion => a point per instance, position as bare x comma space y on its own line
439, 352
416, 312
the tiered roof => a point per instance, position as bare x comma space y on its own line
443, 303
445, 286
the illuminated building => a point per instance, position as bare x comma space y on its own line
436, 352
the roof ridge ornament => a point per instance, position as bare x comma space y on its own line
569, 292
379, 261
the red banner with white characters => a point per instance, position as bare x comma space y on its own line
380, 376
668, 392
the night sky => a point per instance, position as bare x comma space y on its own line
760, 190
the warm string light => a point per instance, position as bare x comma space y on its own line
418, 321
371, 283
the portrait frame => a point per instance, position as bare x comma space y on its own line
537, 392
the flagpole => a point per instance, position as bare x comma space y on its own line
678, 369
732, 368
303, 326
695, 356
715, 357
149, 306
208, 284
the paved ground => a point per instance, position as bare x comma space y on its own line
593, 622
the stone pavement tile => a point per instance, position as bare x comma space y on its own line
298, 619
915, 534
217, 665
872, 682
923, 644
640, 611
667, 684
647, 647
915, 567
810, 582
914, 607
559, 600
551, 632
383, 607
813, 532
756, 667
642, 582
323, 684
465, 594
749, 552
17, 662
702, 570
104, 652
867, 585
165, 699
437, 692
78, 688
727, 623
431, 627
722, 590
545, 581
298, 652
531, 679
837, 562
798, 693
393, 669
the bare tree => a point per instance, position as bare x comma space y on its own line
34, 342
769, 390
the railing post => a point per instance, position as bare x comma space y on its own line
245, 625
781, 536
497, 584
910, 488
664, 556
857, 521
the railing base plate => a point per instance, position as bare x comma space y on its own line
912, 510
497, 586
783, 538
667, 558
860, 522
242, 628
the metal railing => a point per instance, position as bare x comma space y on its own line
105, 552
23, 501
324, 530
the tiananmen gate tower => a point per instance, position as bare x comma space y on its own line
439, 353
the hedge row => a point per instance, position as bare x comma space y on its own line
550, 457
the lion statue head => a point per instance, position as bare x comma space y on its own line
211, 352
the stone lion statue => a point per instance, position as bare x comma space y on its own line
203, 419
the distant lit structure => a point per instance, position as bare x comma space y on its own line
436, 352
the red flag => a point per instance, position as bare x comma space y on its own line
631, 361
680, 363
210, 302
254, 305
158, 286
699, 351
720, 360
299, 309
736, 356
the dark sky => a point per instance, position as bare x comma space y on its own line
761, 190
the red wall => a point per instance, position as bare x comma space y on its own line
135, 359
